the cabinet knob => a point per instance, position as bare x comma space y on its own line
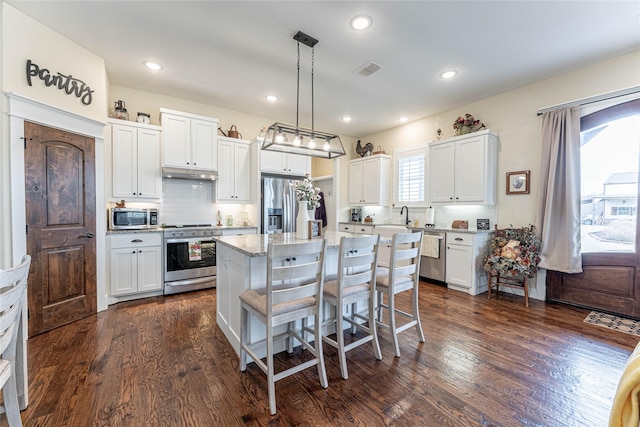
133, 252
134, 194
194, 163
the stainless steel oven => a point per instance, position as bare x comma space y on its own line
189, 258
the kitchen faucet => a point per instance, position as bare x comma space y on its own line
406, 221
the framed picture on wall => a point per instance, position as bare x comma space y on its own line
518, 182
315, 228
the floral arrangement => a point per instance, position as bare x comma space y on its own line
515, 252
306, 192
467, 124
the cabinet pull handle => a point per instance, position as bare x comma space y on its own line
136, 241
459, 239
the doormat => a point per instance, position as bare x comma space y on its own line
616, 323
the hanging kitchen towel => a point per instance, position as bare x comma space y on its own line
321, 211
195, 250
431, 246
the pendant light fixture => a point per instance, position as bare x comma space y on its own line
295, 139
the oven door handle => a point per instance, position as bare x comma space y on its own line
191, 239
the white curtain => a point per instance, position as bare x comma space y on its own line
558, 205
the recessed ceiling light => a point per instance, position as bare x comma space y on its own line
403, 118
360, 22
448, 74
271, 98
346, 119
152, 65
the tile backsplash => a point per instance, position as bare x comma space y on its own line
186, 201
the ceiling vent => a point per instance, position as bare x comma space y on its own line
368, 69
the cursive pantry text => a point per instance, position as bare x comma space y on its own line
68, 84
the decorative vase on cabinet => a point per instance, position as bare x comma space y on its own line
302, 221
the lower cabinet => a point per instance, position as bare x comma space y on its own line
464, 262
135, 263
238, 231
356, 228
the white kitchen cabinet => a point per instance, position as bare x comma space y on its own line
189, 141
464, 262
135, 165
238, 231
369, 180
135, 263
281, 163
234, 172
356, 228
463, 169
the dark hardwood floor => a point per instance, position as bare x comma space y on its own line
163, 362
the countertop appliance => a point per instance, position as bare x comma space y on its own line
355, 214
189, 257
132, 218
278, 205
433, 268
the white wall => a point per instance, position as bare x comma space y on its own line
148, 102
513, 115
22, 39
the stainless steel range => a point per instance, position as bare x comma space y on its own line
190, 258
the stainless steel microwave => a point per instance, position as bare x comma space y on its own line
132, 218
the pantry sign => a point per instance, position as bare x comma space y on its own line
66, 83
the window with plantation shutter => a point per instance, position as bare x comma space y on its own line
410, 177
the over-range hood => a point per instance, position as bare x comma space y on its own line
178, 173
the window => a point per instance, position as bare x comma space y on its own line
609, 156
410, 177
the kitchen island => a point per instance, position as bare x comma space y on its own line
242, 264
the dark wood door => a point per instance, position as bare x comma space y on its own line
60, 211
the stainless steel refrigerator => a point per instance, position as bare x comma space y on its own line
279, 206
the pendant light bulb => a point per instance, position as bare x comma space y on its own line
312, 143
327, 145
297, 141
279, 136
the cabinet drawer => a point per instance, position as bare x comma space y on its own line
463, 239
135, 239
348, 228
363, 229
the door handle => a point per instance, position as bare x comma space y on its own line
88, 236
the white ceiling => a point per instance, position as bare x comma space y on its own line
233, 53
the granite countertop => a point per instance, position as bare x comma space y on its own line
233, 227
146, 230
437, 229
452, 230
255, 245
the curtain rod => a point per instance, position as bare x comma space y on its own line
592, 99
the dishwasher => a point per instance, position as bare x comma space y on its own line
432, 264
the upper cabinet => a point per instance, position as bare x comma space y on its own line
279, 162
135, 155
463, 169
234, 172
369, 180
189, 141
